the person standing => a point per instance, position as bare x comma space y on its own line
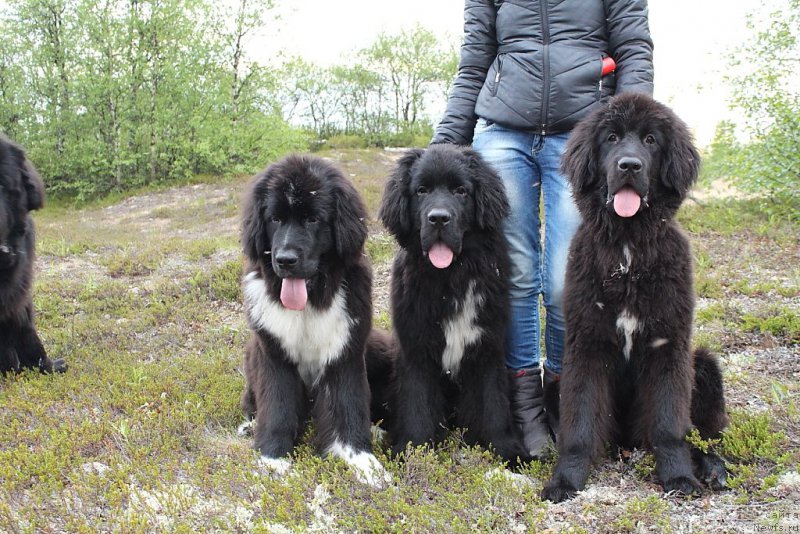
529, 71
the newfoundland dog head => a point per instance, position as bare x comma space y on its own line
21, 190
640, 160
435, 197
308, 222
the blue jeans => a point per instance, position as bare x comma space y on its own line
528, 164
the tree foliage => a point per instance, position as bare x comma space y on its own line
767, 92
384, 95
113, 94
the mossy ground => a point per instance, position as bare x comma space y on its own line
141, 297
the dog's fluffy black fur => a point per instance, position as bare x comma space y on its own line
630, 375
21, 191
304, 223
449, 300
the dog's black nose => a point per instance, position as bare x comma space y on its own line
286, 259
629, 163
439, 217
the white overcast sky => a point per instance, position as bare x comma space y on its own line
693, 39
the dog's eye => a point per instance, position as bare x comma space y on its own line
312, 219
612, 138
275, 219
460, 191
650, 139
422, 190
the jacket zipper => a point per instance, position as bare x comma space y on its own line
497, 75
545, 65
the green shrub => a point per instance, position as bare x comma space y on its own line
221, 283
781, 322
344, 141
750, 437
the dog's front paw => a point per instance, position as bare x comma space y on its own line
46, 365
245, 430
558, 492
369, 471
60, 366
713, 472
687, 486
367, 468
277, 466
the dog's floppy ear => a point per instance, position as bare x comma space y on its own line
395, 207
34, 187
349, 224
255, 241
579, 162
681, 160
491, 203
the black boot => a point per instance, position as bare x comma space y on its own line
552, 395
527, 406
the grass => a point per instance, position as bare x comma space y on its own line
380, 248
141, 296
721, 311
649, 511
733, 216
780, 321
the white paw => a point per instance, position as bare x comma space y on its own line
370, 471
246, 429
278, 466
378, 434
367, 468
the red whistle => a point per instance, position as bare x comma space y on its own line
608, 66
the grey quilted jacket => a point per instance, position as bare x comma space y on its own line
535, 65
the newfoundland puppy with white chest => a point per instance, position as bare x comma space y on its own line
630, 376
307, 290
21, 190
449, 300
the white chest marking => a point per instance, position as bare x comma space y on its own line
624, 266
312, 338
626, 251
627, 325
461, 331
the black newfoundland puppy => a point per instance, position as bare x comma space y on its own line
307, 296
629, 372
21, 190
449, 299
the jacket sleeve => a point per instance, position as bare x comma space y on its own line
478, 50
630, 45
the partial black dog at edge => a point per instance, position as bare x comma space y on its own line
630, 376
21, 191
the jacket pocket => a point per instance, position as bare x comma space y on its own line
483, 125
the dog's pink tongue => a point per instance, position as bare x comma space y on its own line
627, 202
440, 255
293, 293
